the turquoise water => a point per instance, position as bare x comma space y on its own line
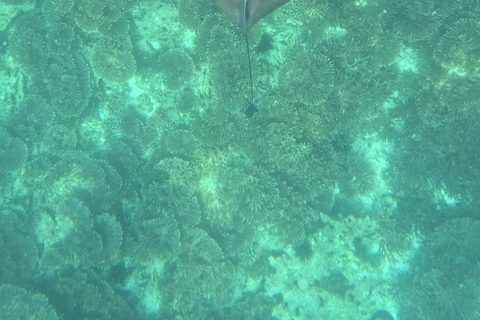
138, 179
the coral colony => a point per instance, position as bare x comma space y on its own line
138, 182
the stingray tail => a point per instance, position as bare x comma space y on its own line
249, 68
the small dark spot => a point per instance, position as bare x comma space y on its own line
265, 44
119, 273
336, 284
382, 315
250, 110
314, 226
363, 252
341, 141
275, 253
304, 251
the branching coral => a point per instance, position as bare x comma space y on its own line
380, 86
65, 85
115, 29
55, 10
188, 213
37, 168
201, 267
204, 33
458, 257
71, 238
459, 46
123, 158
284, 149
446, 157
60, 37
59, 140
182, 191
89, 14
415, 20
277, 109
111, 235
352, 57
214, 188
191, 13
187, 101
448, 101
32, 120
394, 242
307, 77
359, 178
434, 295
76, 174
92, 15
18, 250
255, 191
158, 236
314, 9
133, 123
299, 161
229, 66
290, 230
181, 143
387, 46
444, 283
113, 60
447, 299
414, 167
200, 255
363, 80
115, 186
171, 181
219, 127
28, 45
18, 303
13, 152
177, 69
81, 293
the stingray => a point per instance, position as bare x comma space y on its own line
245, 13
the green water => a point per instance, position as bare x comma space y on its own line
138, 181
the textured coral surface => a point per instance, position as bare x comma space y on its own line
149, 170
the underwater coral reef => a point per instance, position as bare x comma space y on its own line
140, 178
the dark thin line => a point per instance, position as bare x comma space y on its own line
249, 66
